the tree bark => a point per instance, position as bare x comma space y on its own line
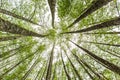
16, 29
95, 5
16, 16
106, 24
49, 69
106, 63
52, 4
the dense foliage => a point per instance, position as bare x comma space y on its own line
59, 40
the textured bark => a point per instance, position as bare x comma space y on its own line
7, 53
8, 56
54, 73
1, 76
109, 52
49, 69
106, 24
16, 16
39, 72
89, 67
31, 68
76, 72
9, 38
95, 5
52, 4
16, 29
115, 45
104, 62
7, 63
14, 52
104, 33
42, 76
68, 76
83, 67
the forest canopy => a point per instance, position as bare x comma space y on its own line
59, 39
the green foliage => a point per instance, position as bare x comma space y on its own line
66, 11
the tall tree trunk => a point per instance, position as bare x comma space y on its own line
54, 73
115, 45
109, 52
104, 33
1, 76
105, 63
4, 55
76, 72
49, 69
9, 38
89, 67
16, 29
52, 4
82, 63
7, 53
40, 69
112, 22
84, 67
68, 76
31, 68
42, 76
95, 5
16, 16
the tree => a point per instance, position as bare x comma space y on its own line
59, 40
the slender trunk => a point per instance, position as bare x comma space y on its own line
1, 76
115, 45
16, 29
7, 53
14, 53
89, 67
106, 63
49, 70
114, 51
16, 16
39, 72
104, 33
95, 5
52, 4
9, 38
7, 63
83, 67
65, 68
31, 68
42, 76
8, 56
54, 73
106, 24
84, 63
77, 73
33, 14
109, 52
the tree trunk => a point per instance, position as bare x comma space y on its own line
95, 5
104, 33
68, 76
77, 73
115, 45
16, 29
49, 69
83, 67
106, 24
31, 68
16, 16
52, 4
106, 63
9, 38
